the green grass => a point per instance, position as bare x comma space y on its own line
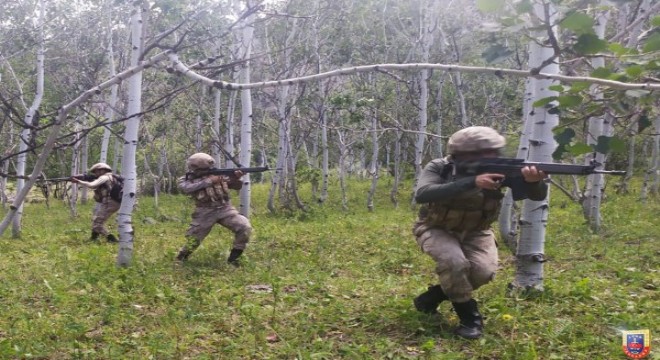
325, 284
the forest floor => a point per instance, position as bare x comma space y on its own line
321, 284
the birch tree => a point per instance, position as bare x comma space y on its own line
26, 133
129, 167
530, 253
598, 126
245, 52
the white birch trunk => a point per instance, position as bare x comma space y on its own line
75, 157
343, 150
217, 113
508, 219
129, 167
112, 100
373, 170
428, 28
84, 164
597, 127
229, 134
279, 175
29, 118
199, 123
422, 116
246, 112
652, 175
325, 157
530, 254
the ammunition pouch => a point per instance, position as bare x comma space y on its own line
473, 211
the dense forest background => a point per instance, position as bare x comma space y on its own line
370, 122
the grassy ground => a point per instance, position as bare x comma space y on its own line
320, 285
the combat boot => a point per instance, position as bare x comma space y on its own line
429, 301
471, 325
233, 257
95, 236
183, 254
112, 239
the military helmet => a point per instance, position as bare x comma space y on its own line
200, 161
100, 166
475, 139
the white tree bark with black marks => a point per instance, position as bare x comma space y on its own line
508, 218
530, 253
75, 166
129, 167
111, 102
26, 132
215, 126
598, 126
427, 32
374, 169
245, 52
199, 119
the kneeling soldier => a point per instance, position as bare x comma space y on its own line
211, 194
454, 225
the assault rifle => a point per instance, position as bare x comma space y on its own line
226, 172
510, 168
83, 177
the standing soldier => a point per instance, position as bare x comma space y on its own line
106, 205
211, 194
454, 223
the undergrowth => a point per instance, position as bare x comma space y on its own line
320, 284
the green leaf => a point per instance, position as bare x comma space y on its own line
565, 136
618, 49
558, 88
544, 101
524, 7
607, 144
634, 71
579, 23
601, 73
652, 43
643, 123
579, 149
589, 44
655, 21
637, 93
554, 110
566, 101
576, 87
490, 5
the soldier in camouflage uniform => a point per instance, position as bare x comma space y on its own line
211, 194
106, 205
454, 223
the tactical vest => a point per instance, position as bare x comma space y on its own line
102, 193
216, 194
473, 210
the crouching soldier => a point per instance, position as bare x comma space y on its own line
106, 206
454, 225
211, 195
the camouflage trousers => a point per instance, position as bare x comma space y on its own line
102, 213
226, 215
464, 261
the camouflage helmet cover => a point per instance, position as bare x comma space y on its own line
100, 166
200, 161
475, 139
